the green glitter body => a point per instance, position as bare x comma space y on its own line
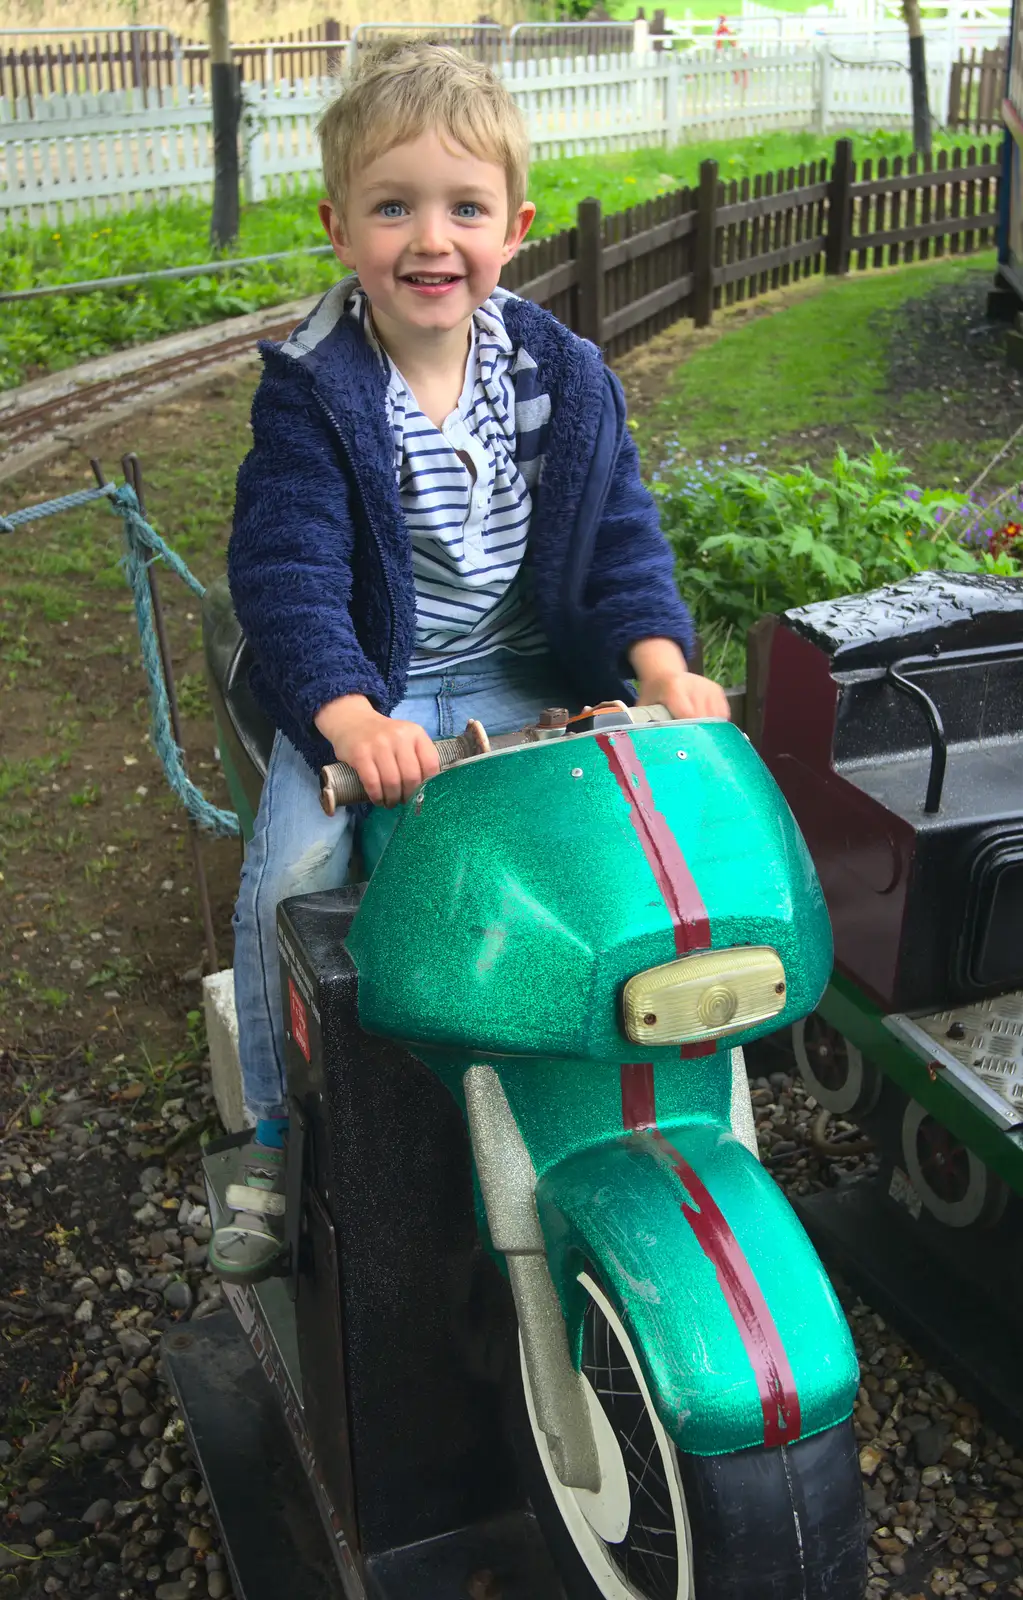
512, 902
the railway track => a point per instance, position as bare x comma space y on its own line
76, 402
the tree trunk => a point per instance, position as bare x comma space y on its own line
225, 99
918, 78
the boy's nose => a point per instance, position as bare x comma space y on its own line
431, 235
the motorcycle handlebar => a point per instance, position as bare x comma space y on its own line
340, 784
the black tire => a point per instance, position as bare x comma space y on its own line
779, 1524
761, 1524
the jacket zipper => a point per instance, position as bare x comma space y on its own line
372, 526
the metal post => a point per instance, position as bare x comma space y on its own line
132, 469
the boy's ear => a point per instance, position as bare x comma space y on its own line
335, 232
521, 225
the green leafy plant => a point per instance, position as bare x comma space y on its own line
749, 541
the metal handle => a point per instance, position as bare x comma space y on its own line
936, 728
943, 660
340, 784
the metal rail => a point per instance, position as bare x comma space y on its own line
27, 428
199, 270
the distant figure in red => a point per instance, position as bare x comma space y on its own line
722, 33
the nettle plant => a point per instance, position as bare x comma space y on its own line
750, 541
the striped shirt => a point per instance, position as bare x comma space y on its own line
468, 528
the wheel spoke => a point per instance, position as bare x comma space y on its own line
647, 1557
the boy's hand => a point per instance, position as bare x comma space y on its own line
393, 759
685, 695
664, 680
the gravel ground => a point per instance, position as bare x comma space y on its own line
105, 1234
102, 1497
944, 1494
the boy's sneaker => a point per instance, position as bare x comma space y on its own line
248, 1247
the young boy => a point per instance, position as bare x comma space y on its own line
441, 517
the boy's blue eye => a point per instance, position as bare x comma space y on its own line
391, 209
467, 210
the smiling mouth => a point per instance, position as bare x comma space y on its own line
431, 279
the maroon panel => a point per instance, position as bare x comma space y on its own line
863, 853
800, 702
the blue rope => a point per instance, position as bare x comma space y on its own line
49, 508
143, 545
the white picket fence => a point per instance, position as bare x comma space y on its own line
950, 26
84, 155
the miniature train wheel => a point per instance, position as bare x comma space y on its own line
953, 1183
667, 1526
833, 1069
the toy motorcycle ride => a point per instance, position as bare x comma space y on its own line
547, 1327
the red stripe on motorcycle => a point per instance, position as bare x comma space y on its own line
685, 905
638, 1096
775, 1379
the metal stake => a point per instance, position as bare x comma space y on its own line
132, 469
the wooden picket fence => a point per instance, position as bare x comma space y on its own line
291, 58
154, 60
100, 63
976, 90
620, 279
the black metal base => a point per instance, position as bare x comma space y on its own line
275, 1542
501, 1560
969, 1337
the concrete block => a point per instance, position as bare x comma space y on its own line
225, 1064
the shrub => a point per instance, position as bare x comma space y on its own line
750, 541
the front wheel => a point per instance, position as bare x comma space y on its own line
764, 1524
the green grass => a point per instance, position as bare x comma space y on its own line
46, 335
815, 364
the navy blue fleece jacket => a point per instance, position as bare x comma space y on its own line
320, 561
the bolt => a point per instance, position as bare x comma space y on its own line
681, 754
552, 717
650, 1019
779, 988
577, 772
956, 1031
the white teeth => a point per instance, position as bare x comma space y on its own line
415, 277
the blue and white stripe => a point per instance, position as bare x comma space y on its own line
468, 525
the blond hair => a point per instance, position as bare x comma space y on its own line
404, 89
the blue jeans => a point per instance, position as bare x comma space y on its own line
297, 849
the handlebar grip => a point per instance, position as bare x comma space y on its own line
340, 784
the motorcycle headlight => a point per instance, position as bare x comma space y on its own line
706, 995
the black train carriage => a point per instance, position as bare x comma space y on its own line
893, 723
